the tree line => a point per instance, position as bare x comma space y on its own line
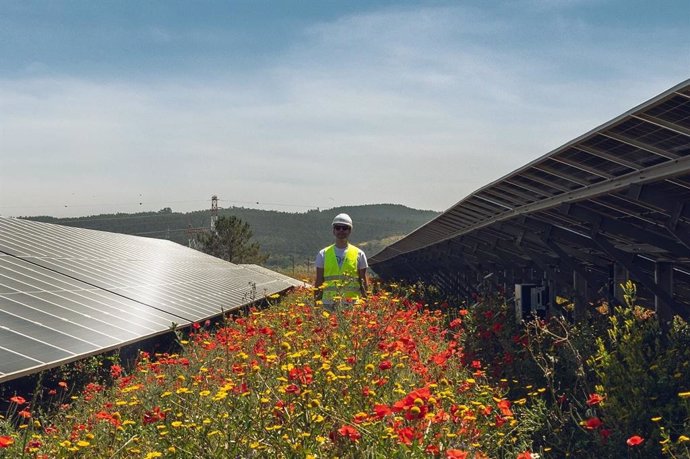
286, 237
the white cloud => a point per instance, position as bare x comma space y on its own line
414, 106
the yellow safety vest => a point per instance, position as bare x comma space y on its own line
342, 281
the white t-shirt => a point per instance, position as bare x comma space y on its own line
340, 256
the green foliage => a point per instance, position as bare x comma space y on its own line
558, 351
642, 369
232, 242
587, 387
288, 237
290, 381
609, 380
495, 338
574, 389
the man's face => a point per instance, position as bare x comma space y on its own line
341, 231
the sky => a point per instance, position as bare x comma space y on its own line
128, 106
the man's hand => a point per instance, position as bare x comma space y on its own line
363, 282
318, 292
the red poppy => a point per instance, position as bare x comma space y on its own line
360, 418
500, 420
380, 381
440, 359
593, 423
116, 371
455, 323
105, 416
386, 365
432, 449
19, 400
5, 441
524, 455
62, 384
34, 443
456, 454
292, 389
266, 331
594, 399
350, 433
405, 435
504, 406
26, 414
304, 374
381, 411
634, 440
154, 415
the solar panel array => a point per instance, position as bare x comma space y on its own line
66, 293
617, 194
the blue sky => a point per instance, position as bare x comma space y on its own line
123, 106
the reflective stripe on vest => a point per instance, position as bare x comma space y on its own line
342, 280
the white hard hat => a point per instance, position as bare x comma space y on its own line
342, 219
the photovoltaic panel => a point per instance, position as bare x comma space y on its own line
603, 161
47, 318
66, 293
612, 203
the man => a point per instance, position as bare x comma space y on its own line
341, 268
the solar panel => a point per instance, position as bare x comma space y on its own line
619, 195
66, 293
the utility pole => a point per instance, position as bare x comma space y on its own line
192, 232
214, 212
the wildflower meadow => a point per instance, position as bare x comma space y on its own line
400, 374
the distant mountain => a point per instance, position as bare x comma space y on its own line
287, 237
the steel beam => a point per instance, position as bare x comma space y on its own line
524, 186
608, 156
580, 288
583, 167
658, 172
503, 188
535, 178
676, 128
639, 145
620, 277
663, 277
628, 230
668, 304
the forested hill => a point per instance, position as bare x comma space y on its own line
287, 237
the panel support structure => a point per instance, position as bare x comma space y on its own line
620, 276
668, 304
581, 299
663, 276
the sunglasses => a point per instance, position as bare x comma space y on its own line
341, 227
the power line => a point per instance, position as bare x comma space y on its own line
107, 204
307, 206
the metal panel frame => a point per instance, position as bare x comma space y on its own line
585, 206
